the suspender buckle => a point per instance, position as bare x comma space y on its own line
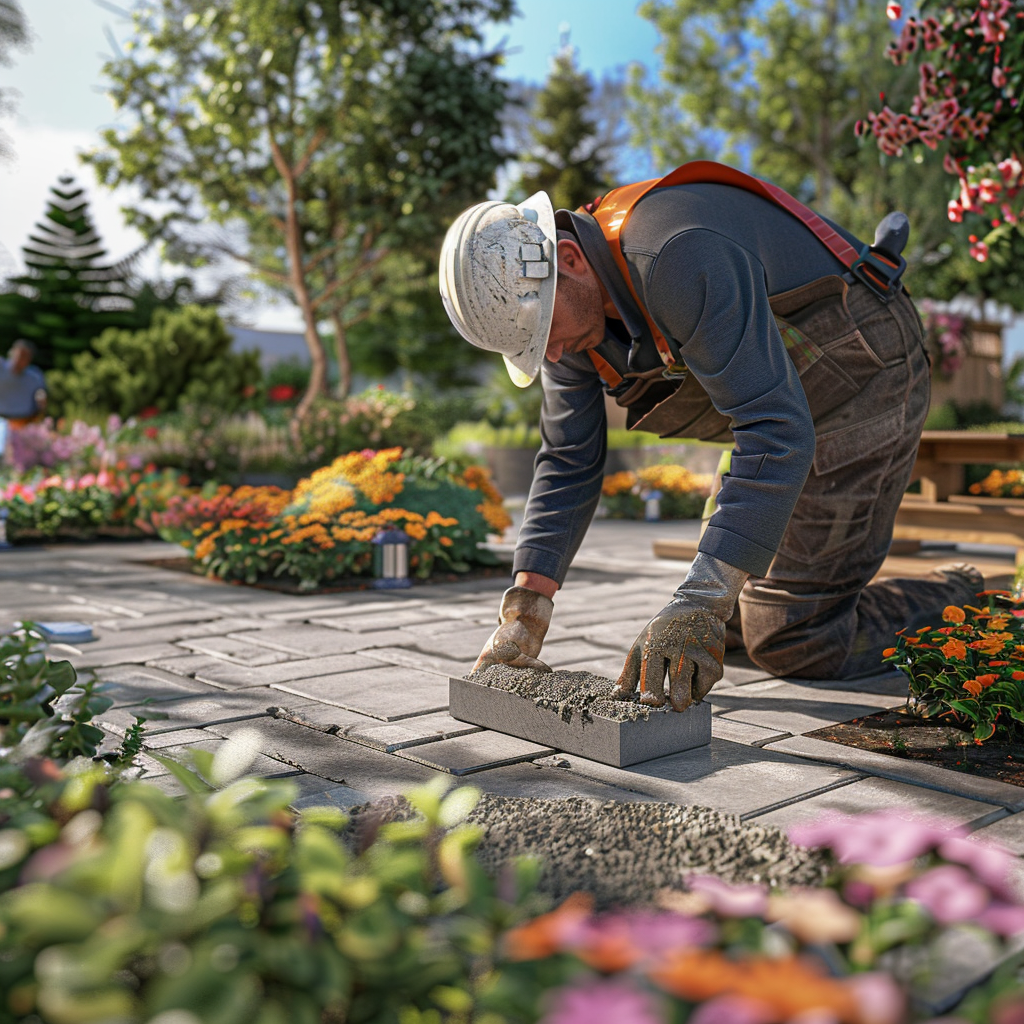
880, 265
675, 371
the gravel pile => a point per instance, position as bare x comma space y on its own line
621, 853
568, 694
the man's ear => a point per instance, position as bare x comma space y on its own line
570, 258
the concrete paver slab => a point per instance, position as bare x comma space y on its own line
905, 770
316, 715
741, 732
874, 794
1007, 832
132, 684
305, 640
236, 651
387, 694
465, 755
123, 655
222, 673
331, 796
195, 613
199, 711
425, 662
171, 633
727, 776
409, 732
337, 759
545, 782
371, 622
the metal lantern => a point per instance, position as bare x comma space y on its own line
652, 506
391, 560
4, 542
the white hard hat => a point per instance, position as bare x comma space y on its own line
497, 274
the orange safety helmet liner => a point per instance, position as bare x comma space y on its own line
612, 210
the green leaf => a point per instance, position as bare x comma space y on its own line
189, 779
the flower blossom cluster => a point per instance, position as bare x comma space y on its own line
967, 98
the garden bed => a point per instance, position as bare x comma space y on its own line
924, 739
346, 583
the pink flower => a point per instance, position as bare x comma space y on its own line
991, 864
733, 1010
893, 11
979, 250
880, 999
950, 894
602, 1002
955, 211
880, 838
1002, 918
729, 900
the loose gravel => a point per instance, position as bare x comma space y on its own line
567, 694
623, 853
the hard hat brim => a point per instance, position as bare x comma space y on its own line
524, 367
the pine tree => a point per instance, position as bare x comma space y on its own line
569, 162
70, 294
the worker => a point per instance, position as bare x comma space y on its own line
22, 391
712, 305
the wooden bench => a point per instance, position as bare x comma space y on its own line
963, 519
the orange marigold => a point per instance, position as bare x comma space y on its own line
955, 649
952, 613
973, 687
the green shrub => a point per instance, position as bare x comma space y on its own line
182, 357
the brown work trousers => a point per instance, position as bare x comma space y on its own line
816, 615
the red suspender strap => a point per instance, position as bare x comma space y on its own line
612, 211
611, 377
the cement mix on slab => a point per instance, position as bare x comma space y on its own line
568, 694
622, 853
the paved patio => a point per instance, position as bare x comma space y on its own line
349, 690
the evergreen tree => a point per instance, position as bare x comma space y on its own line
70, 294
568, 160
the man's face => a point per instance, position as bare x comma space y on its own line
577, 323
20, 357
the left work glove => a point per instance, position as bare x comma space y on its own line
686, 638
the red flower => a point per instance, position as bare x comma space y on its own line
149, 412
281, 393
152, 433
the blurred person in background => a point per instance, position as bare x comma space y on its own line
22, 390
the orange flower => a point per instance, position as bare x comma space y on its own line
988, 679
954, 649
790, 986
953, 614
888, 652
545, 935
973, 687
988, 645
1017, 676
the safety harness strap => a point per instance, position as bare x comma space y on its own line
611, 211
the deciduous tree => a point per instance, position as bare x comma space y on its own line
309, 140
14, 35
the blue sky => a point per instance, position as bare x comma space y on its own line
62, 106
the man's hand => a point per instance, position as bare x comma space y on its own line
524, 618
686, 638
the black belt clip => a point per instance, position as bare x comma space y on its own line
880, 266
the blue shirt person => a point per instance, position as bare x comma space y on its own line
22, 389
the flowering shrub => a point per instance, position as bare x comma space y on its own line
970, 56
115, 502
1001, 483
946, 337
721, 954
682, 492
970, 670
324, 529
46, 444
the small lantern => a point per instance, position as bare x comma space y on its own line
652, 506
391, 560
4, 542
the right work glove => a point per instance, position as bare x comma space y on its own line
524, 618
686, 639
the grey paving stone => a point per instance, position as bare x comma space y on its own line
337, 759
183, 664
203, 710
131, 684
391, 618
741, 732
662, 731
458, 641
904, 770
170, 633
184, 614
887, 684
610, 667
740, 670
180, 738
304, 640
236, 651
316, 715
222, 673
387, 694
331, 796
1008, 832
874, 794
425, 662
562, 653
135, 655
725, 776
543, 781
409, 732
465, 755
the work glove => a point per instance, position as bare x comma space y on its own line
686, 638
524, 618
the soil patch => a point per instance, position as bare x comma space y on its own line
921, 739
345, 583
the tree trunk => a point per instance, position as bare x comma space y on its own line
344, 385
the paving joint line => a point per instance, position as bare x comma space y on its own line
800, 798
